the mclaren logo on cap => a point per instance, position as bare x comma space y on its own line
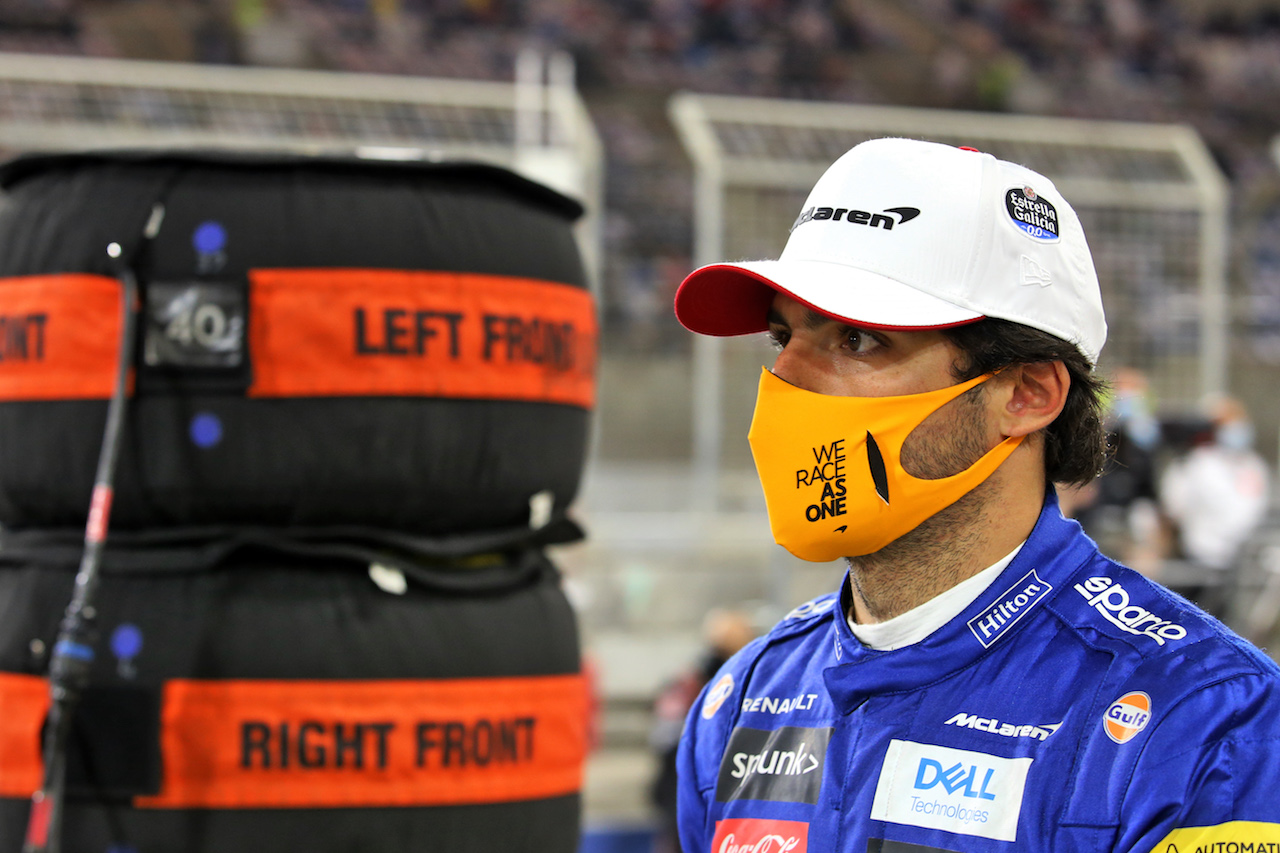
885, 219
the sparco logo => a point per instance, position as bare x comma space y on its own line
886, 219
756, 835
1014, 603
1111, 600
783, 765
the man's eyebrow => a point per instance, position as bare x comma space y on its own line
813, 319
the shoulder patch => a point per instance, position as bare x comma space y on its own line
1127, 716
809, 609
717, 695
805, 617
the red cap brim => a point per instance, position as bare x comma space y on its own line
724, 300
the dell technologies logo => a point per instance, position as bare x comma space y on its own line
886, 219
954, 790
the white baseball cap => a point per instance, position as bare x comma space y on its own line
904, 234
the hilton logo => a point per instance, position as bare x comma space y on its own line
992, 623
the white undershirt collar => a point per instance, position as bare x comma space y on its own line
919, 622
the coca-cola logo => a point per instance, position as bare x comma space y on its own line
753, 835
768, 844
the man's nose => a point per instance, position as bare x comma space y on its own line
796, 365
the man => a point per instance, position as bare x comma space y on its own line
1217, 494
985, 680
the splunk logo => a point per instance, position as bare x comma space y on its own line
1014, 603
886, 219
782, 764
1111, 600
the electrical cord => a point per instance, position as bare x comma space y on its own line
73, 653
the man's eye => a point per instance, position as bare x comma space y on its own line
860, 341
778, 338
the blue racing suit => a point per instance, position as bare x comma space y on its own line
1074, 706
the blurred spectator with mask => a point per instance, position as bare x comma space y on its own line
1217, 496
1119, 510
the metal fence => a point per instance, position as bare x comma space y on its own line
1151, 199
536, 125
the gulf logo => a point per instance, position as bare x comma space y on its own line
716, 696
1127, 716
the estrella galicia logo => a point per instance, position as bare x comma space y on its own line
783, 765
1032, 213
886, 219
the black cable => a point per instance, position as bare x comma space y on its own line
73, 653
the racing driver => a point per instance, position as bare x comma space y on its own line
984, 680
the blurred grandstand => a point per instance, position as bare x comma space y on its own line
657, 558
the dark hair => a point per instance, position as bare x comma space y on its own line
1075, 444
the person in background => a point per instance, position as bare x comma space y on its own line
725, 631
982, 679
1119, 510
1216, 496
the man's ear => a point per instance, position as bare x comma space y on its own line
1034, 395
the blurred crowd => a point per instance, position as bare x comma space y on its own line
1183, 499
1151, 59
1210, 63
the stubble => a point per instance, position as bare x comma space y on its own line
927, 560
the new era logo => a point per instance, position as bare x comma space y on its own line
1034, 273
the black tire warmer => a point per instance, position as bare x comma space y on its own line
347, 372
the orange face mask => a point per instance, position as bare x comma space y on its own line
831, 467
